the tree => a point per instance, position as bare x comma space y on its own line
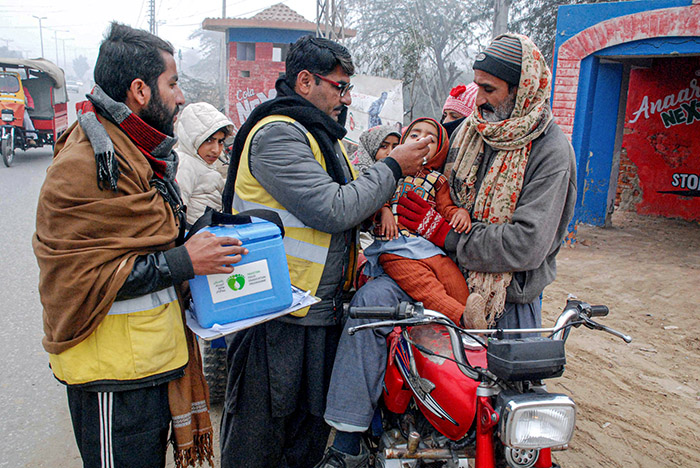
538, 20
80, 66
424, 43
430, 45
198, 90
201, 79
500, 17
9, 53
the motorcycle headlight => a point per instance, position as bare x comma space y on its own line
537, 420
8, 115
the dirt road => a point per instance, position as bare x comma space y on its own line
638, 403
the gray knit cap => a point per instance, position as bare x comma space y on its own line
502, 59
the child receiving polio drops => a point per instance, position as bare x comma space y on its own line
419, 267
374, 145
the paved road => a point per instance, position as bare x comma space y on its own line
35, 428
34, 420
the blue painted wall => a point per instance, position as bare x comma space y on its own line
656, 46
278, 36
597, 151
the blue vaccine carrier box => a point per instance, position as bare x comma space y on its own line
259, 283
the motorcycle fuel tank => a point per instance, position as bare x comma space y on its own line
445, 395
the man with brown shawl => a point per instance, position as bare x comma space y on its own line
109, 247
514, 170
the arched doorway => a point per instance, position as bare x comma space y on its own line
593, 69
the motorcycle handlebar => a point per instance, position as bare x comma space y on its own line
402, 311
576, 312
598, 311
383, 313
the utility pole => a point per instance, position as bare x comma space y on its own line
41, 34
55, 38
65, 63
223, 64
330, 19
152, 25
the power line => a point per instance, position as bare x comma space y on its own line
138, 18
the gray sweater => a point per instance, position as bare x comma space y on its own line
282, 161
529, 244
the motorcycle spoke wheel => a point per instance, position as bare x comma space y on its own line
215, 373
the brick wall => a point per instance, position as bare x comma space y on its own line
629, 192
246, 92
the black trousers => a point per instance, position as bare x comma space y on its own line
276, 394
256, 440
126, 429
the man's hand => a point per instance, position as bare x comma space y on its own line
211, 254
418, 216
410, 156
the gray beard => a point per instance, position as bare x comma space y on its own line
502, 111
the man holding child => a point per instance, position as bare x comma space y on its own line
513, 169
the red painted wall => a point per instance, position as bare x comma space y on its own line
662, 136
245, 93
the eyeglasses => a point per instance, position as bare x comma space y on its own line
344, 88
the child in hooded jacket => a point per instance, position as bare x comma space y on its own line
419, 267
375, 144
201, 131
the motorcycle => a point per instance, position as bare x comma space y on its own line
452, 395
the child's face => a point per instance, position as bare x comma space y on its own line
422, 130
385, 148
212, 147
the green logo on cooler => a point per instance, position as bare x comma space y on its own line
236, 282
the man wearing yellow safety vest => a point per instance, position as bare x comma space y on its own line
288, 157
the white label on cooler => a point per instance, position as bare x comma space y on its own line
246, 279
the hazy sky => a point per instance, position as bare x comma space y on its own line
78, 25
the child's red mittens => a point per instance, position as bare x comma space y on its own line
418, 216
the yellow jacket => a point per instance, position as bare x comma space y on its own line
138, 339
306, 248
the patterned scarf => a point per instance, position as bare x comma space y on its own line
188, 396
512, 138
155, 146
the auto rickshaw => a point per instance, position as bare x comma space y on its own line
33, 105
